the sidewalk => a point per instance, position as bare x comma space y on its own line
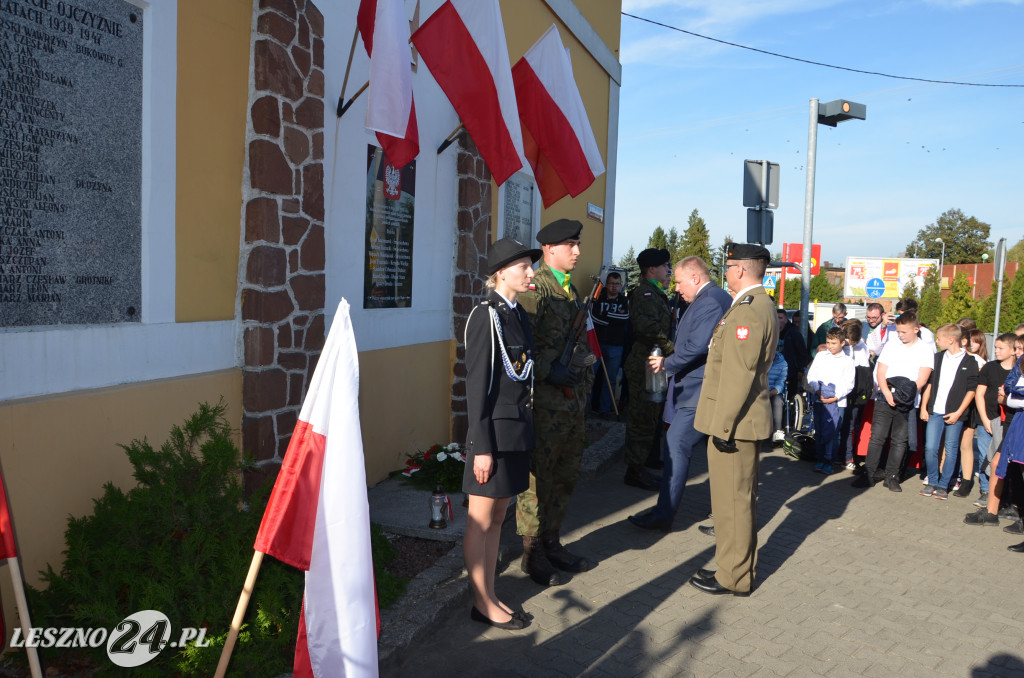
849, 583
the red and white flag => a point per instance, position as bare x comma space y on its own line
463, 45
8, 548
390, 109
318, 518
595, 345
557, 136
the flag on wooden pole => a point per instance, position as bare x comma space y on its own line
390, 108
557, 135
8, 549
463, 45
318, 518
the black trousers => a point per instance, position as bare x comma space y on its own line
887, 422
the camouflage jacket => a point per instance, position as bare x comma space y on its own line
551, 313
651, 320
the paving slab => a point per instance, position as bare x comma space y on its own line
849, 583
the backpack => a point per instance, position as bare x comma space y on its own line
800, 446
863, 386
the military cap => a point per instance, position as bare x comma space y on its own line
507, 250
652, 257
559, 231
741, 250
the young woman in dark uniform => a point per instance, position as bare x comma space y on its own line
499, 386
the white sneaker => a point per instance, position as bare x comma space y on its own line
851, 466
778, 436
924, 481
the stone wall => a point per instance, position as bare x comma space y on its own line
473, 222
281, 267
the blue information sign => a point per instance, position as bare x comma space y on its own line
876, 288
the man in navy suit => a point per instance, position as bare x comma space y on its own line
707, 304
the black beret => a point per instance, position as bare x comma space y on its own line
559, 231
741, 250
652, 257
507, 250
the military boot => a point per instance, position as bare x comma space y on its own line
536, 564
560, 557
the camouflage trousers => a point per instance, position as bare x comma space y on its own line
554, 470
643, 418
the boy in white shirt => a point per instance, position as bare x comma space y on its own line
947, 396
909, 363
831, 379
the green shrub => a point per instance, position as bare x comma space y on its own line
180, 542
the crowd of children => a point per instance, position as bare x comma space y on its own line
880, 377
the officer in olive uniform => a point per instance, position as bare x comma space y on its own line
560, 394
651, 320
735, 411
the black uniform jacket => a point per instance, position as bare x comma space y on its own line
500, 412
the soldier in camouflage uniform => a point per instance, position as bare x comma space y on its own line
560, 394
651, 320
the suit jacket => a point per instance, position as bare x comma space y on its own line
693, 334
965, 381
734, 401
499, 410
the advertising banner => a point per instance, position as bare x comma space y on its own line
884, 277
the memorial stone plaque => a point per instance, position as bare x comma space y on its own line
70, 162
517, 221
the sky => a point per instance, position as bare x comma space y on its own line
692, 110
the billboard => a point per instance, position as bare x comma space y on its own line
883, 277
794, 252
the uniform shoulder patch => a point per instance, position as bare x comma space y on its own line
532, 287
749, 299
742, 333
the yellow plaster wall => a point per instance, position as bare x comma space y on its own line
404, 403
57, 452
213, 90
525, 21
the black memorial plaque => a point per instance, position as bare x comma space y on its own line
70, 162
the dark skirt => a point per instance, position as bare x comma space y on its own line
510, 477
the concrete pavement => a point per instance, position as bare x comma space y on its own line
849, 583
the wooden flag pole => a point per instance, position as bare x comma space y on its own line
26, 623
611, 389
451, 138
342, 109
348, 67
236, 621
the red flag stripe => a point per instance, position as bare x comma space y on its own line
401, 151
450, 52
365, 19
8, 548
287, 528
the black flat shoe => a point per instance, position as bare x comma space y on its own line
1016, 548
711, 585
709, 530
516, 623
705, 574
648, 522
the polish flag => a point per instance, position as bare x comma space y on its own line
318, 518
8, 549
390, 110
463, 45
557, 136
595, 346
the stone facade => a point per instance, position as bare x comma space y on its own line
473, 222
281, 269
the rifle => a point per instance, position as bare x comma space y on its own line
578, 328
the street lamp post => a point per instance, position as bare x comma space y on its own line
942, 260
830, 113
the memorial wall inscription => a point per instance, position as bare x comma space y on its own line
70, 162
